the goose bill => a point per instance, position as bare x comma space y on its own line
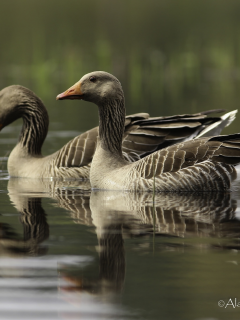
72, 93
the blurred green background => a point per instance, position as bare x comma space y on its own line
171, 56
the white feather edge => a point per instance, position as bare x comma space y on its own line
217, 127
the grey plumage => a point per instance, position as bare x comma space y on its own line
205, 164
142, 136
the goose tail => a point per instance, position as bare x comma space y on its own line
216, 128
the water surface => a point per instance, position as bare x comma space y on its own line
69, 253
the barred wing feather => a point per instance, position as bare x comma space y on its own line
186, 166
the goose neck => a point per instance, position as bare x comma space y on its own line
111, 125
35, 126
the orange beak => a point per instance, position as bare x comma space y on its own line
72, 93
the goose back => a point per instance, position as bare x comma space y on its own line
142, 136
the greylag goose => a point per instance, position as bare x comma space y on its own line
142, 136
204, 164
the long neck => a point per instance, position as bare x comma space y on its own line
111, 125
35, 125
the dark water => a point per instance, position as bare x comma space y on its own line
68, 253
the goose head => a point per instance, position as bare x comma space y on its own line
97, 87
10, 98
13, 103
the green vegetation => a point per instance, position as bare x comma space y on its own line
171, 56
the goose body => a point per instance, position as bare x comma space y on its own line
204, 164
142, 136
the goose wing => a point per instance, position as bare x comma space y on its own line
219, 149
144, 136
79, 151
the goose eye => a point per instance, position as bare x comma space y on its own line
93, 79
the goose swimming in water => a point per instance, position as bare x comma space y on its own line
204, 164
142, 136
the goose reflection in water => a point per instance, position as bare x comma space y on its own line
117, 216
35, 229
26, 196
173, 222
